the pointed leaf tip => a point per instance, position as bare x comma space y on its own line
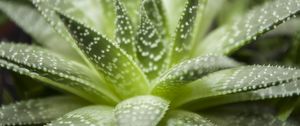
182, 44
256, 22
124, 30
152, 52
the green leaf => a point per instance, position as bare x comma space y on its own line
255, 23
118, 68
236, 80
186, 72
141, 111
38, 111
173, 9
246, 115
46, 8
151, 49
88, 11
55, 70
281, 91
182, 40
30, 20
133, 7
156, 13
287, 107
90, 115
203, 25
124, 31
184, 118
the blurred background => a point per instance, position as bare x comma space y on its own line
279, 47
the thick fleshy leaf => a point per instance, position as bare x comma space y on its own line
156, 13
258, 21
55, 70
182, 45
119, 68
189, 71
124, 31
133, 7
34, 24
141, 111
203, 25
246, 115
151, 50
87, 116
38, 111
46, 8
173, 9
184, 118
91, 12
240, 79
281, 91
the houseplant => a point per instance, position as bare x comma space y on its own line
148, 68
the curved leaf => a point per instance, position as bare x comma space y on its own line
181, 45
151, 50
281, 91
38, 111
203, 25
124, 31
246, 115
184, 118
235, 80
156, 13
258, 21
34, 24
119, 69
91, 12
189, 71
173, 9
91, 115
61, 73
141, 111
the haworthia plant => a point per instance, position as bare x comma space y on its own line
133, 63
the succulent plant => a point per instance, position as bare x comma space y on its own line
141, 63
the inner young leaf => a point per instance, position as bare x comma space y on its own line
151, 50
119, 68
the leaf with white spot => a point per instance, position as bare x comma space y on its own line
38, 111
34, 24
156, 13
124, 31
151, 50
249, 114
87, 116
236, 80
204, 21
255, 23
173, 9
141, 111
55, 70
281, 91
186, 72
91, 12
182, 45
119, 69
184, 118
